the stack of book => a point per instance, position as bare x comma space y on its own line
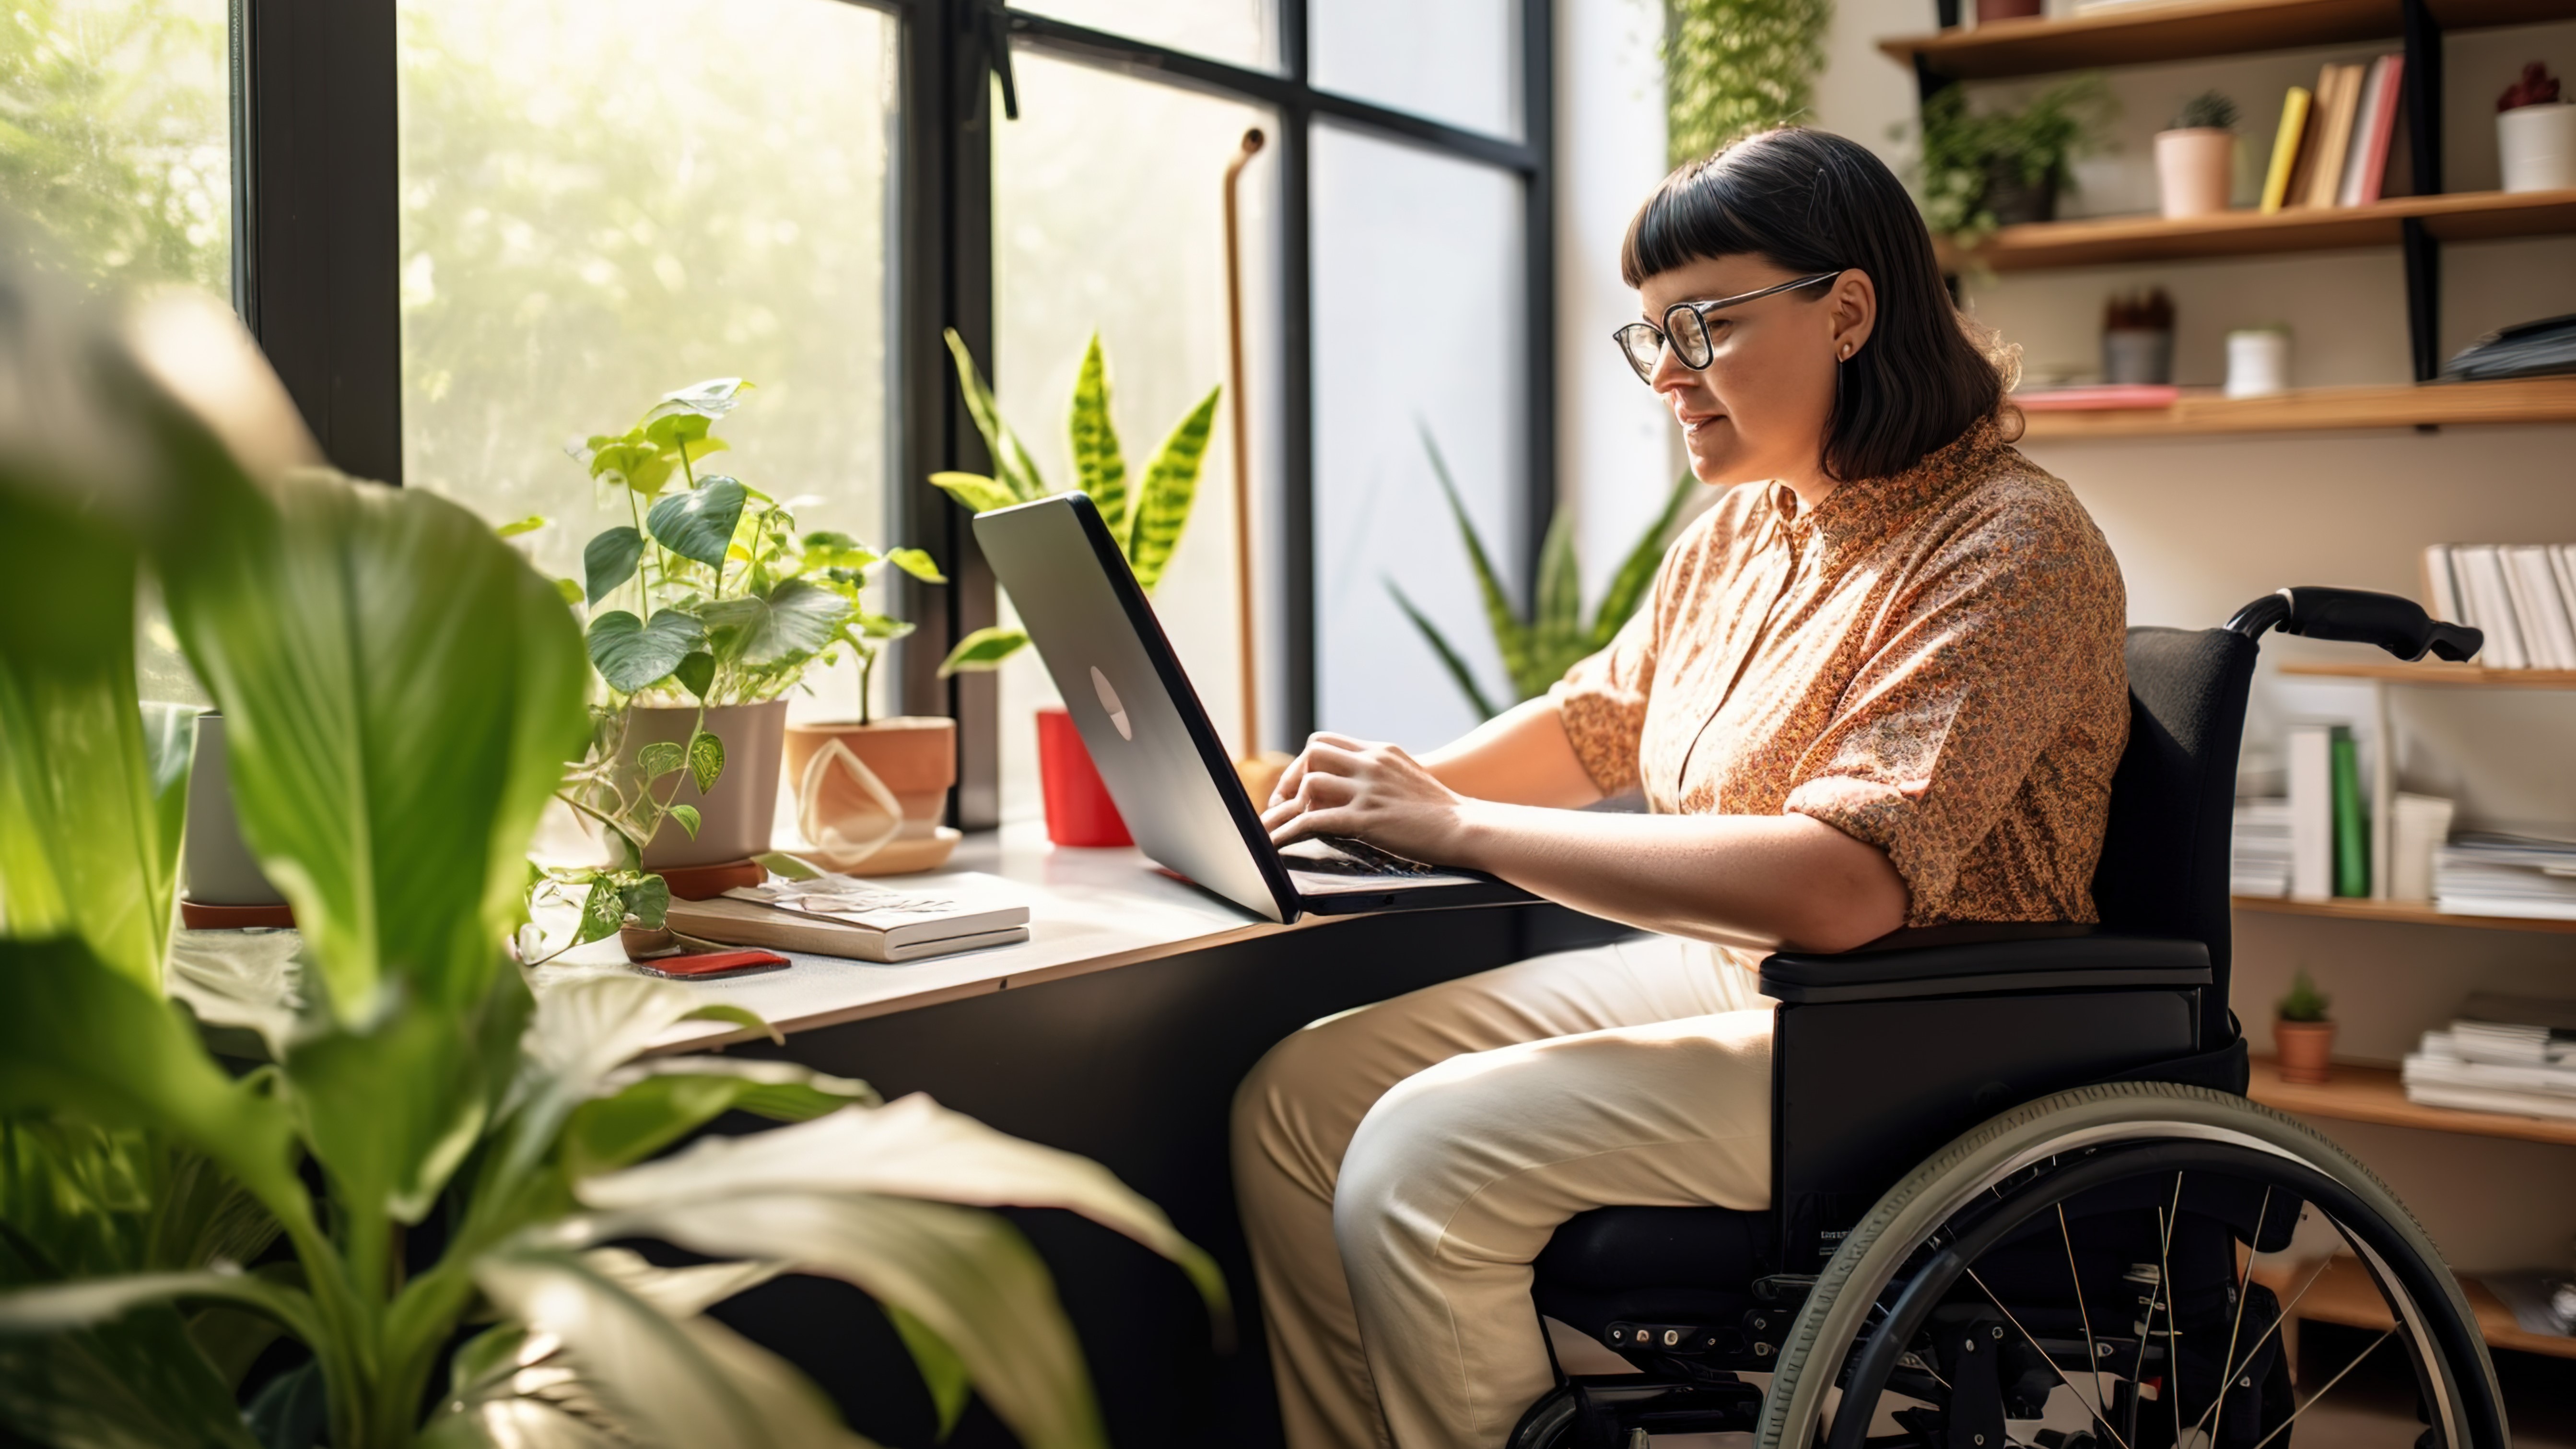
2259, 860
2503, 1054
2482, 874
2340, 144
839, 915
2523, 595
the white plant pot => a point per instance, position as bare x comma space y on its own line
734, 819
2195, 170
216, 867
2258, 362
2538, 147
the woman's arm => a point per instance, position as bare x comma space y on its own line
1519, 757
1758, 881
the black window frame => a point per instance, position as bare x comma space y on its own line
317, 263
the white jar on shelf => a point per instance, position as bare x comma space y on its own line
2258, 361
2538, 146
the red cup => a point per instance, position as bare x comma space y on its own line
1078, 808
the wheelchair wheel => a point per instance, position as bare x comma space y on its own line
2082, 1270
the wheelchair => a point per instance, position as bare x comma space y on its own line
2074, 1269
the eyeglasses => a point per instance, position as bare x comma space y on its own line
1685, 329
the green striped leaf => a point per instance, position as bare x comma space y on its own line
982, 651
974, 492
1556, 623
1171, 485
1012, 466
1449, 659
1100, 469
1628, 586
1511, 637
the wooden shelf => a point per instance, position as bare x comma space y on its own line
2343, 1294
2445, 676
2374, 1094
2406, 913
2403, 405
2144, 34
2246, 232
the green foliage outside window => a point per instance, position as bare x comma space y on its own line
1736, 66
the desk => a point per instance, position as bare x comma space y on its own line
1119, 1031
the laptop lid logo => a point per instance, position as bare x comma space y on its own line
1109, 702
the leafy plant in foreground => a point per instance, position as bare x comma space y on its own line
400, 690
1147, 529
1538, 645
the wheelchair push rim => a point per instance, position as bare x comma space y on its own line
1918, 1249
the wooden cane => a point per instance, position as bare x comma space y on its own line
1258, 769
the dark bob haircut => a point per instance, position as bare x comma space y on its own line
1809, 201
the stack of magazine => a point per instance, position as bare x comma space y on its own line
2513, 1054
840, 915
2485, 874
2259, 862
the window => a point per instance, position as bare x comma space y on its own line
605, 200
469, 231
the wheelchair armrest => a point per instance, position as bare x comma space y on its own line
1970, 960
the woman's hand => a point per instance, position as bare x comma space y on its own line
1374, 792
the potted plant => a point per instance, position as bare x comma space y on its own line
705, 608
430, 1176
1147, 527
845, 771
2302, 1033
2196, 157
1980, 172
1540, 643
2536, 133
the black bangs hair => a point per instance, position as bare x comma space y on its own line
1809, 201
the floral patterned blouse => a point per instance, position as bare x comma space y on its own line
1929, 662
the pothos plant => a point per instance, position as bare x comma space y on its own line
1147, 524
1965, 156
423, 1175
706, 596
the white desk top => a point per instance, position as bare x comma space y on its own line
1089, 910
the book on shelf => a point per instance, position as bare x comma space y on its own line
2421, 826
2483, 873
2351, 817
2311, 809
2501, 1054
2366, 159
2338, 99
2522, 596
839, 915
2285, 148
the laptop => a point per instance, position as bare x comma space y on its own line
1153, 743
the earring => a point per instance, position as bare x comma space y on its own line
1846, 352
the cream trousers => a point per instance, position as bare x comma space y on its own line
1401, 1165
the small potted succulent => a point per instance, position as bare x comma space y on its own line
1147, 526
2536, 133
913, 757
2302, 1033
704, 608
2196, 157
1981, 172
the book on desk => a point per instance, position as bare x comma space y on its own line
859, 919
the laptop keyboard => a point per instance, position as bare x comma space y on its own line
1358, 857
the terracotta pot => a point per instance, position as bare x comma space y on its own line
2195, 170
1078, 808
915, 755
2305, 1049
1990, 11
736, 818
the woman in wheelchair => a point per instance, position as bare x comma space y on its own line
1877, 698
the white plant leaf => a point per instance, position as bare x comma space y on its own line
673, 1383
520, 1423
909, 1148
584, 1029
749, 1069
57, 1307
967, 1275
680, 1292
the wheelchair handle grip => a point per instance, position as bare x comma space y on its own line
2358, 616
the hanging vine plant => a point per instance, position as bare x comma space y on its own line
1734, 66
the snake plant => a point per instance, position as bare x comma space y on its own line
1540, 643
1146, 520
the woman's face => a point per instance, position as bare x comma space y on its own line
1758, 410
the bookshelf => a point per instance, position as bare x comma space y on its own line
2397, 405
2374, 1094
2440, 676
2109, 241
2147, 34
2404, 913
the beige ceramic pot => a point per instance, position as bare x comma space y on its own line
2195, 170
913, 756
2305, 1049
736, 817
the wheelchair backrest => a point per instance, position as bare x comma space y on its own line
2164, 868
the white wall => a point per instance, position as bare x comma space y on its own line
2202, 525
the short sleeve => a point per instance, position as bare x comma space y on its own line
2011, 636
1602, 700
